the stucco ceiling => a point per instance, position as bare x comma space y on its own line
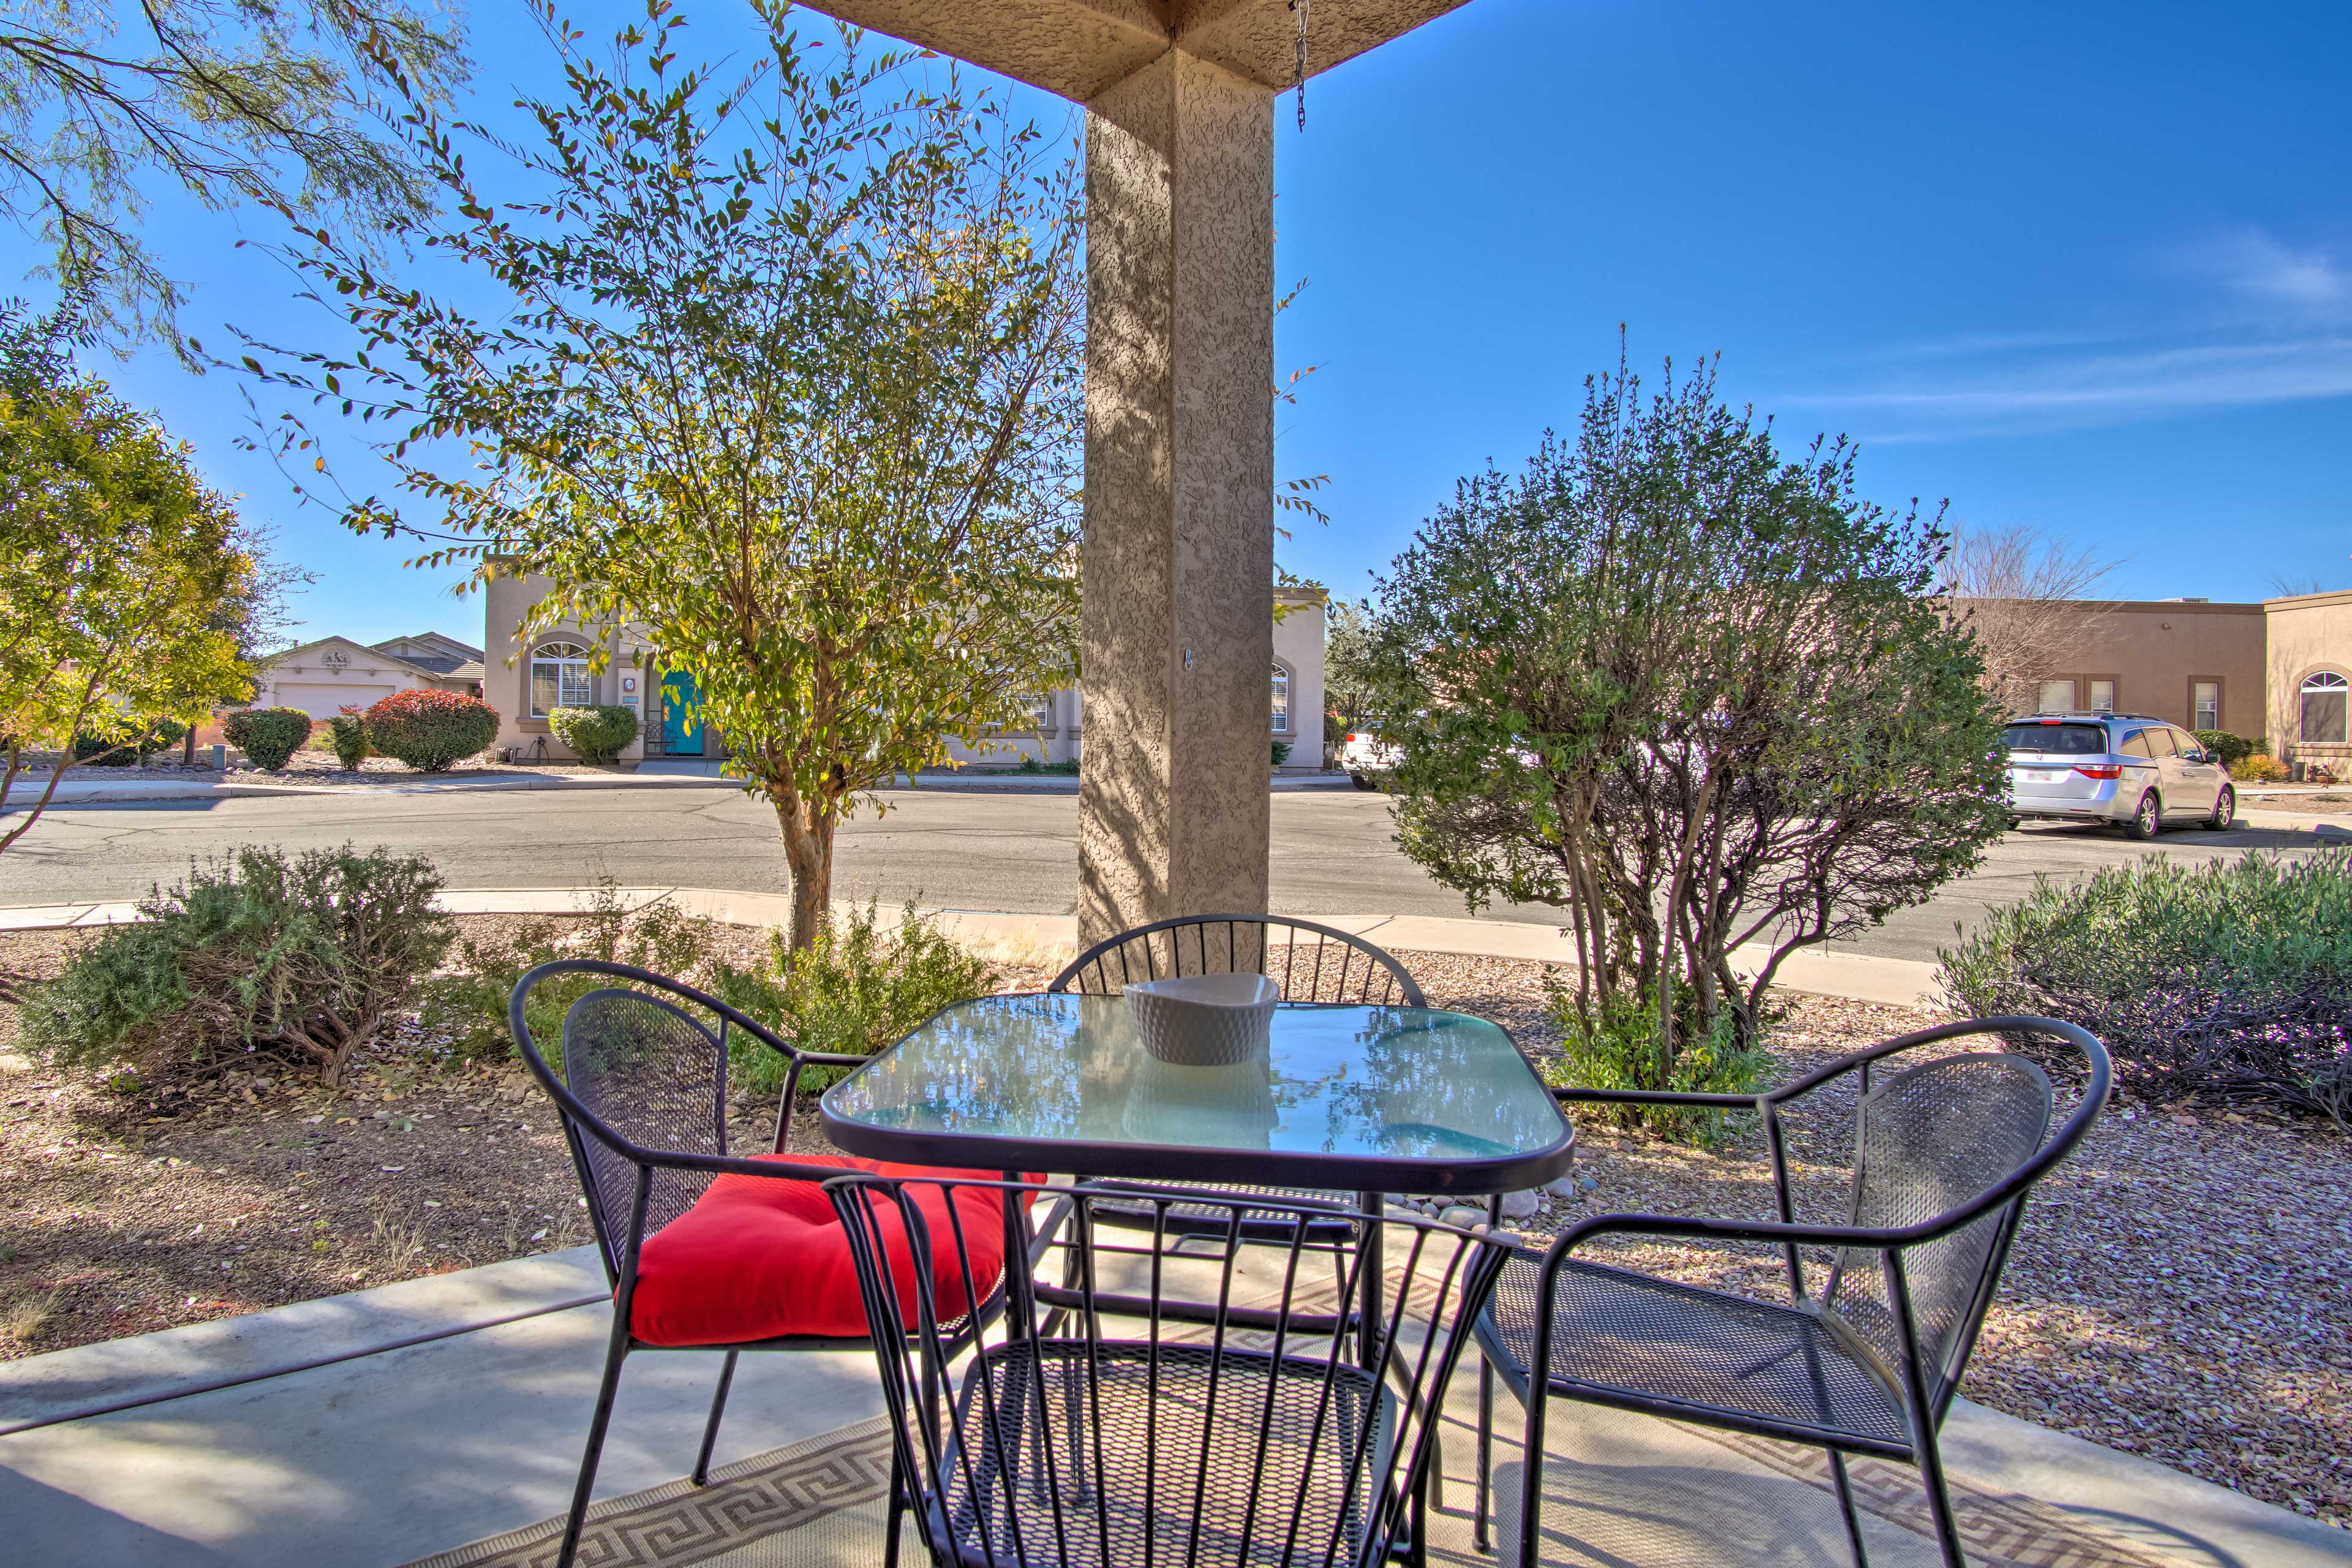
1078, 48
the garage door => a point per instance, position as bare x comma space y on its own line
324, 699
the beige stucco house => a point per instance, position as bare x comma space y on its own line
2280, 670
526, 677
325, 677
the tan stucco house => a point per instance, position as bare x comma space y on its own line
325, 677
2279, 671
527, 677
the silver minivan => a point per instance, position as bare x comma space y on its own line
2126, 768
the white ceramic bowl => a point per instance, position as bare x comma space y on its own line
1204, 1020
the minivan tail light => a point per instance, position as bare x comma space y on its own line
2100, 771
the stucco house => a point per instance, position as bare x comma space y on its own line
2279, 671
525, 678
325, 677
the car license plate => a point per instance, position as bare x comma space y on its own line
2043, 775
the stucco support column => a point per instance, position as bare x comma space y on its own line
1178, 565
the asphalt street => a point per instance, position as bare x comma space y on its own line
954, 849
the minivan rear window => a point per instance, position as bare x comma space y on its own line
2066, 740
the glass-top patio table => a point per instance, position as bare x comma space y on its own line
1368, 1100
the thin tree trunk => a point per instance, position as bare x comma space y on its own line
808, 850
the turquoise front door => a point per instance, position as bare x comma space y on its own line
682, 714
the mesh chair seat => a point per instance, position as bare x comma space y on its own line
1182, 1438
1210, 1219
1620, 1335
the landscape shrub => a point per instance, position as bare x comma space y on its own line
1614, 1045
2258, 767
306, 958
2231, 978
595, 734
267, 736
430, 729
468, 1006
2230, 748
853, 991
125, 750
347, 732
1281, 752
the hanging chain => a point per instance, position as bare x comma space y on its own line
1298, 60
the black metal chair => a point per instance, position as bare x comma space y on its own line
1236, 1431
1944, 1153
1319, 965
643, 1099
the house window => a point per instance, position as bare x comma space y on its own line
2324, 701
2103, 697
1281, 700
559, 678
2205, 704
2057, 697
1041, 712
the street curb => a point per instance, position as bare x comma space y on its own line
1045, 938
108, 793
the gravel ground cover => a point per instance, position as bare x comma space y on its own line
2182, 1289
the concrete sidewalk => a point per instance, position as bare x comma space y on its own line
1900, 982
374, 1428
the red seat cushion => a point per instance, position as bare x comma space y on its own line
758, 1257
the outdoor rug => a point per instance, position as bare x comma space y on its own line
1619, 1489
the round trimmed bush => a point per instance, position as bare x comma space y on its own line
431, 730
595, 734
267, 736
2230, 748
349, 731
121, 751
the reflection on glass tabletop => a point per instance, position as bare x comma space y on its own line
1394, 1099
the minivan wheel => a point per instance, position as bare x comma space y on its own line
2225, 810
2148, 821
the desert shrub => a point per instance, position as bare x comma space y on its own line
430, 729
855, 989
2258, 767
267, 736
2230, 748
306, 958
467, 1005
347, 733
124, 751
595, 734
1612, 1043
1281, 752
2231, 978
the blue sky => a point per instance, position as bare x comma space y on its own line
2086, 266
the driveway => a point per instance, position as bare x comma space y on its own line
962, 850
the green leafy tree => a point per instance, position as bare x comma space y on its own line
1695, 694
1350, 687
230, 100
115, 564
787, 375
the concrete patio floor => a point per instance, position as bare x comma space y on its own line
335, 1448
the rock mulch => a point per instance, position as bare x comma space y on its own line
2178, 1290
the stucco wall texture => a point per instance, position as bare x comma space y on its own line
2309, 633
2153, 650
1179, 497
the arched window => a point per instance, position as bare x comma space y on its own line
559, 678
1281, 700
2324, 698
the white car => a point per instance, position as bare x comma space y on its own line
1366, 757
